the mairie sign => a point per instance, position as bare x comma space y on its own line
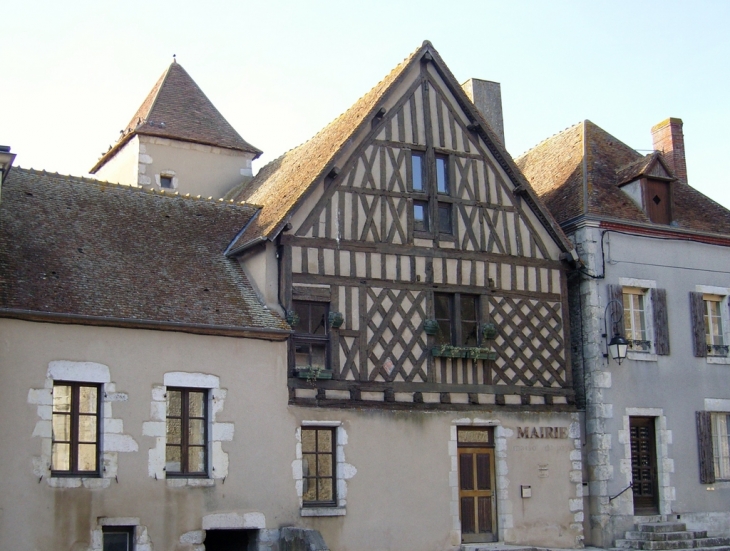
542, 432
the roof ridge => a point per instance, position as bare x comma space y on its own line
138, 188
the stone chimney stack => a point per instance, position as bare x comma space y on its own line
487, 96
669, 139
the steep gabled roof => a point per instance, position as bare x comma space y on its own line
578, 171
282, 184
177, 108
90, 252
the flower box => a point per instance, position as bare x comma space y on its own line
474, 353
311, 374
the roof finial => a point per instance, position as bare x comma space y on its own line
174, 60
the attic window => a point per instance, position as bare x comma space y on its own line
166, 182
658, 203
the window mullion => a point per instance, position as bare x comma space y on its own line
75, 419
184, 420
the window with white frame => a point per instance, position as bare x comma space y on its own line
721, 445
714, 334
635, 323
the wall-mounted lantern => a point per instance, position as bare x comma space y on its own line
617, 347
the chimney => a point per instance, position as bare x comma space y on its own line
487, 96
669, 139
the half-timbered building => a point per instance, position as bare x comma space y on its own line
655, 256
426, 287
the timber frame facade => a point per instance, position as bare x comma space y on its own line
423, 199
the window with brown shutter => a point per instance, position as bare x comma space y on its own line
661, 321
697, 315
704, 447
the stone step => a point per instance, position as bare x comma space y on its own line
659, 536
711, 542
709, 548
655, 545
662, 527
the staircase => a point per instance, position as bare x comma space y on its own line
663, 536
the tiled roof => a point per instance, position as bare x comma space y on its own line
177, 108
578, 172
78, 247
279, 186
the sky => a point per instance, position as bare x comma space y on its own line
74, 73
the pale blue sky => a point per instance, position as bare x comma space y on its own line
73, 73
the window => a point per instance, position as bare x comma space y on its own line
166, 182
319, 467
635, 319
714, 337
186, 452
75, 440
713, 439
311, 335
458, 319
118, 538
432, 208
721, 444
639, 314
709, 313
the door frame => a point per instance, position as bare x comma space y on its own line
644, 507
488, 445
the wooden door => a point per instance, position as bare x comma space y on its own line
477, 500
643, 466
658, 202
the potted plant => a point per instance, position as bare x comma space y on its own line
431, 326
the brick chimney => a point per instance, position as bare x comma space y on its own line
669, 139
487, 97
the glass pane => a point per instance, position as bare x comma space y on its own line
442, 179
474, 436
174, 431
87, 399
310, 489
172, 459
319, 353
325, 489
196, 404
196, 460
324, 467
174, 403
87, 457
308, 441
468, 308
442, 306
416, 164
324, 440
301, 354
309, 464
61, 427
117, 541
319, 317
420, 216
87, 428
469, 335
196, 432
61, 457
62, 398
445, 218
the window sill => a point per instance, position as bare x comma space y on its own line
322, 511
642, 357
189, 482
718, 360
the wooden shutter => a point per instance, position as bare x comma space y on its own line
697, 315
704, 447
661, 322
615, 292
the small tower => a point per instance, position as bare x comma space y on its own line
178, 140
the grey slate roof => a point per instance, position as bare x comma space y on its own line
177, 108
78, 247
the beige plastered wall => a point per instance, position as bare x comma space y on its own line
196, 169
401, 475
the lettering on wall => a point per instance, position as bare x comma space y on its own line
542, 432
